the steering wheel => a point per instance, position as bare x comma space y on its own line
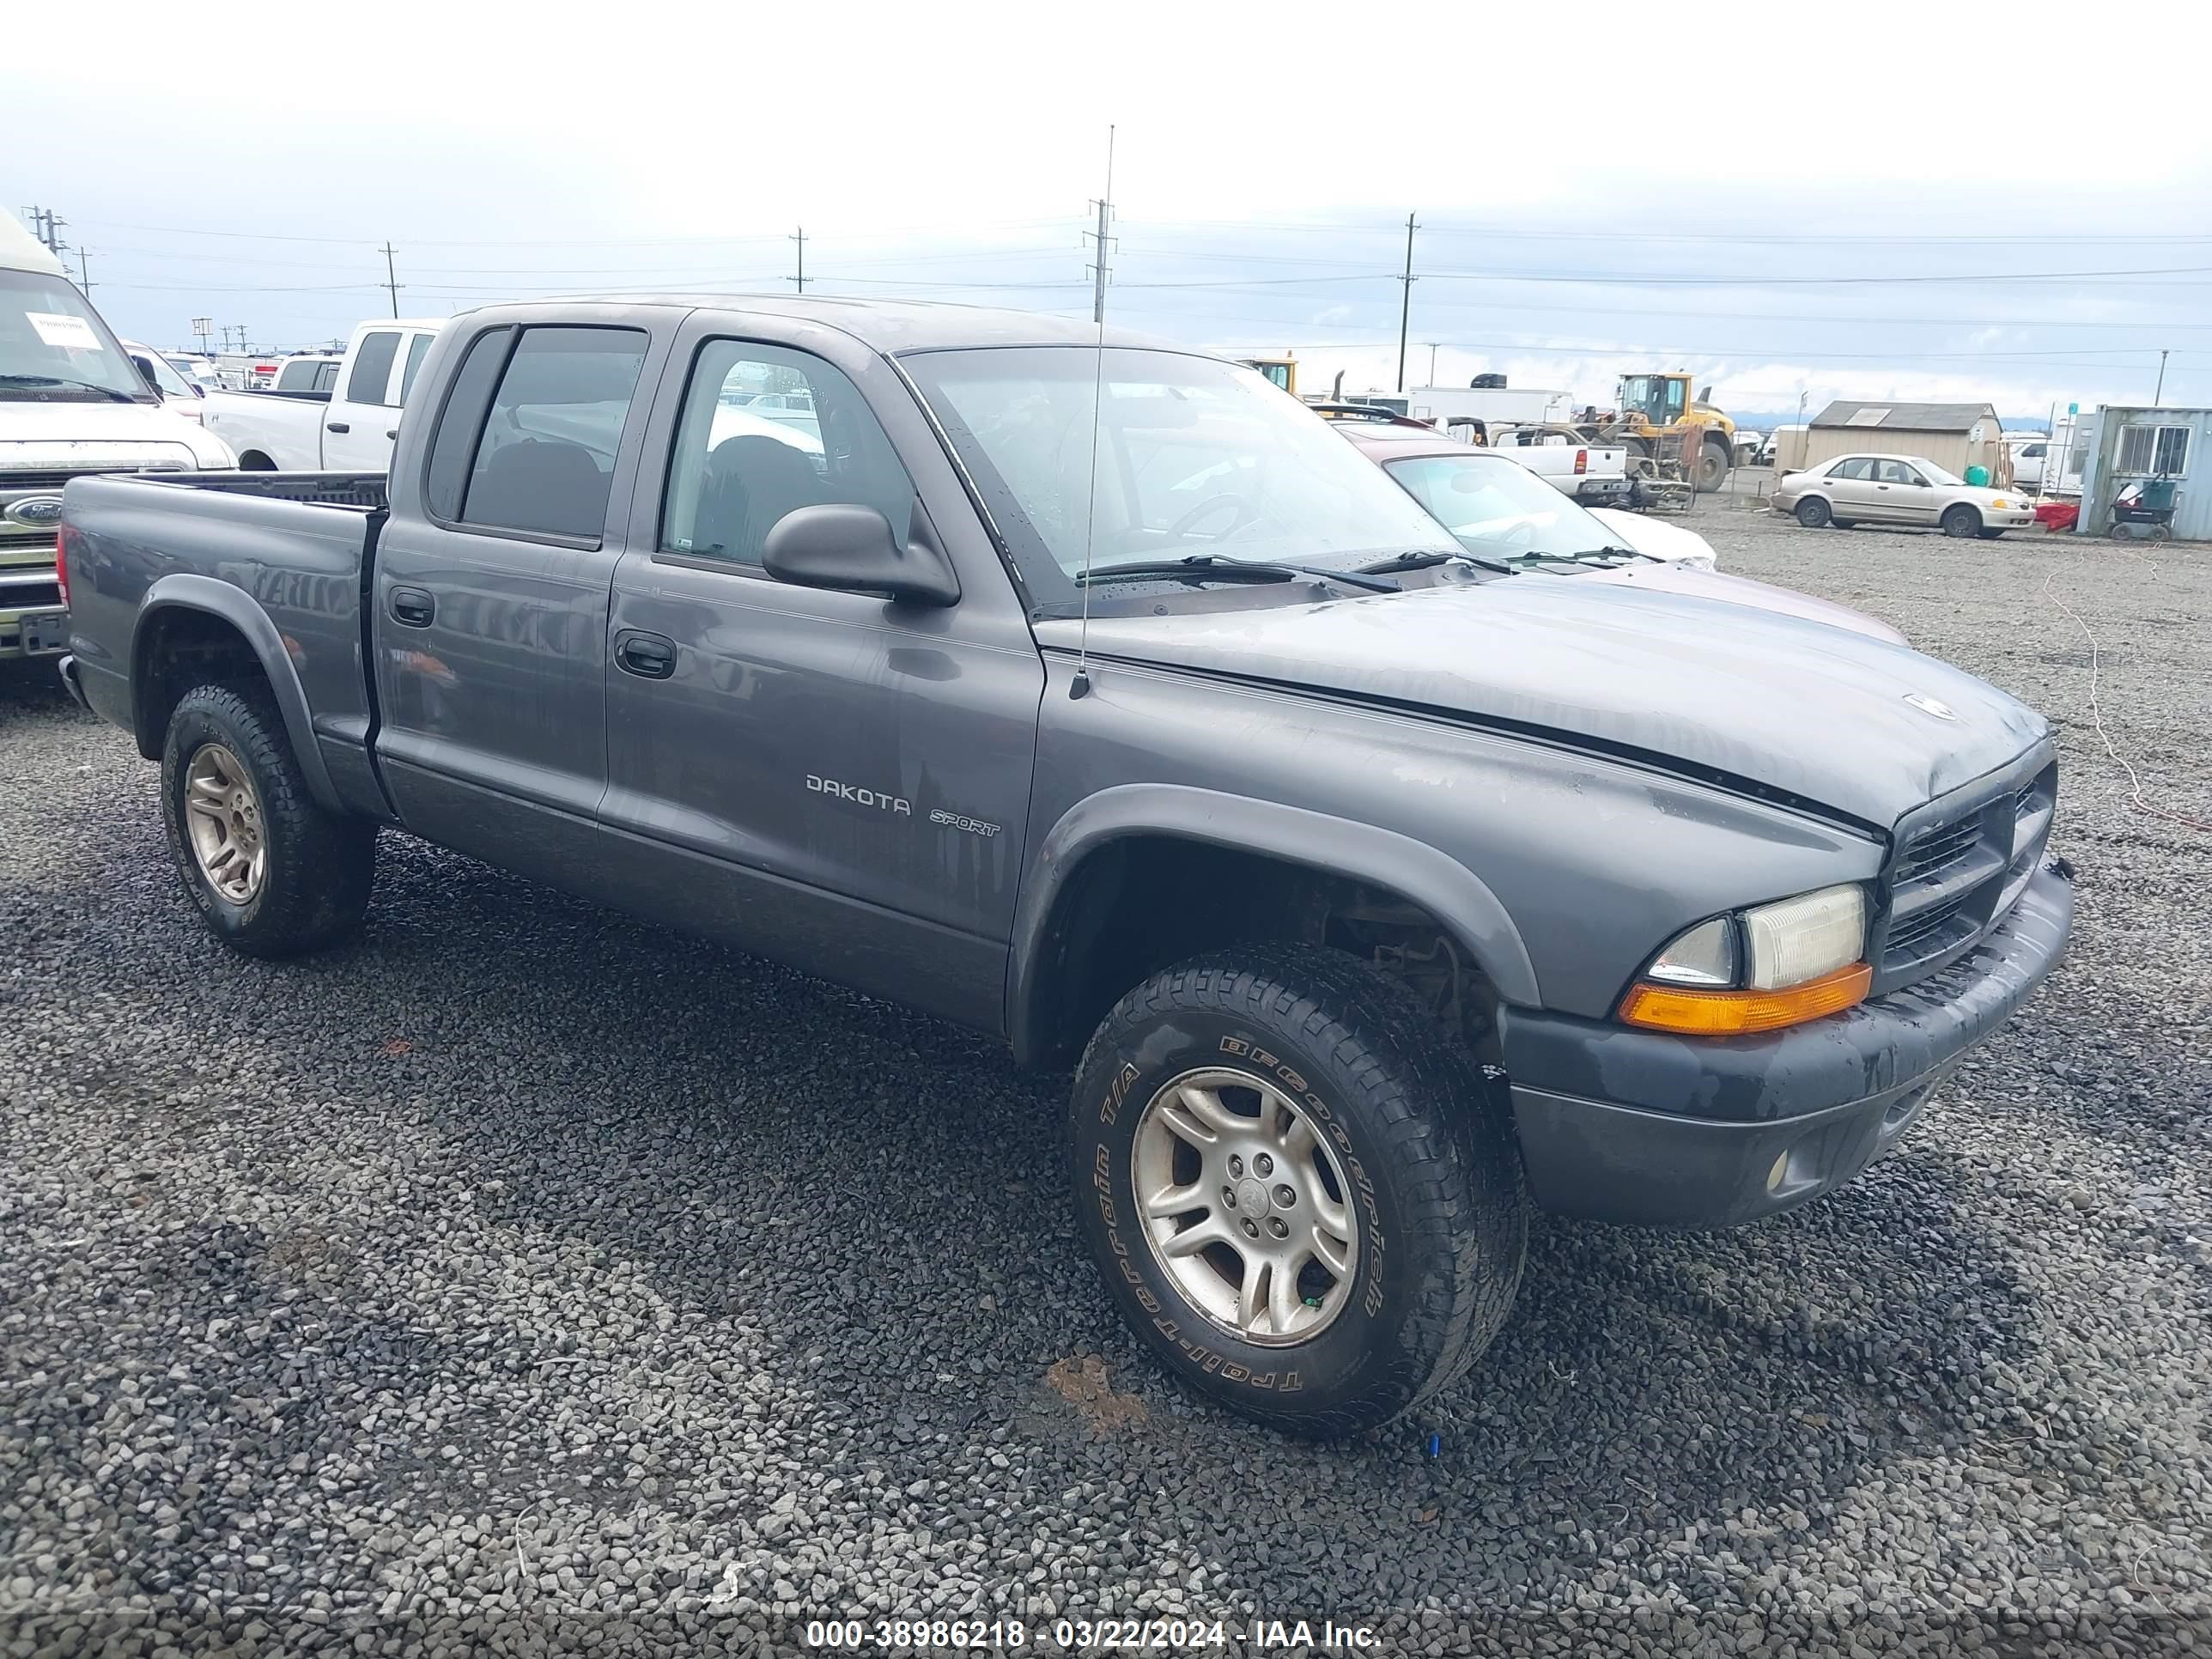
1240, 512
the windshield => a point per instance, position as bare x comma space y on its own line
165, 374
1936, 474
54, 349
1194, 457
1497, 506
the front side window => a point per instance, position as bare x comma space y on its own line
766, 431
546, 458
1192, 456
372, 366
53, 349
1894, 472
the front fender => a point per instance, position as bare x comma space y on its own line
1362, 852
182, 590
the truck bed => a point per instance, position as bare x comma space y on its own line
293, 548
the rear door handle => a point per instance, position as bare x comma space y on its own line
338, 426
412, 606
648, 656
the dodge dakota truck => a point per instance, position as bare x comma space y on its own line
1091, 692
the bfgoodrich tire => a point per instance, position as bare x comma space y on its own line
1300, 1196
273, 873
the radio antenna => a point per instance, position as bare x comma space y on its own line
1080, 685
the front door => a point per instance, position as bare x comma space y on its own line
828, 777
491, 603
1908, 497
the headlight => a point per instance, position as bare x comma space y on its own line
1758, 969
1698, 561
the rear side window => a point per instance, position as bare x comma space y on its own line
1861, 468
546, 457
454, 445
372, 366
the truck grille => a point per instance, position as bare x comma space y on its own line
26, 484
1952, 881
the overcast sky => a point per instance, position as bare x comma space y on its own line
1818, 202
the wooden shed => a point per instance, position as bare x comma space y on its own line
1955, 436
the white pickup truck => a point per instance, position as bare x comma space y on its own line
346, 424
1596, 475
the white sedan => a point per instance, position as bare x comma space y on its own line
1908, 490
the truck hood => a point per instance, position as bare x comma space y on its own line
1700, 685
1741, 589
51, 437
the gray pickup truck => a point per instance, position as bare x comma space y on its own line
1098, 696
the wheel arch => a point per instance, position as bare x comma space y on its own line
1057, 986
187, 621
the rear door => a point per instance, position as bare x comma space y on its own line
1906, 496
491, 599
1851, 488
363, 415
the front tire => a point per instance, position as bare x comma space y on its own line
1813, 513
1298, 1191
1991, 535
1961, 520
271, 873
1713, 463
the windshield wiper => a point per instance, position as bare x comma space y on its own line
1590, 553
56, 379
1428, 559
1206, 567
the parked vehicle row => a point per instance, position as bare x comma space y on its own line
1906, 490
1376, 887
72, 402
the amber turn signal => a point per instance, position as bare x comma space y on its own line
1732, 1013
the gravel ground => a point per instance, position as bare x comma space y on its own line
522, 1281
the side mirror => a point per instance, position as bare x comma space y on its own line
851, 548
146, 373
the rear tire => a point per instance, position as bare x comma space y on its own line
1961, 520
296, 878
1813, 513
1382, 1132
254, 461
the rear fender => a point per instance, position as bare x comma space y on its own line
181, 591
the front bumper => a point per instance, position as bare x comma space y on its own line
1645, 1128
33, 631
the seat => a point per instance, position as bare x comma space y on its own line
542, 485
751, 482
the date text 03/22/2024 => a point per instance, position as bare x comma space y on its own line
1085, 1635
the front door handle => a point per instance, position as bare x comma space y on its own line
336, 426
412, 606
392, 431
648, 656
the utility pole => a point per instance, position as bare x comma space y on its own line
801, 239
84, 268
46, 228
1431, 345
1105, 207
391, 279
1405, 305
2160, 392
